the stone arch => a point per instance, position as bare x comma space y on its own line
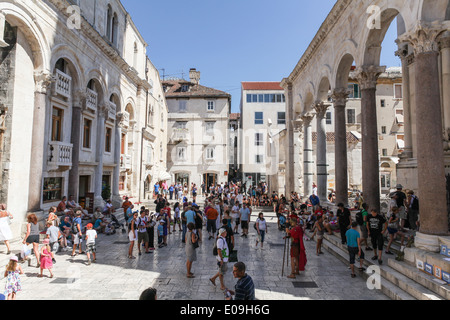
130, 108
95, 77
343, 69
308, 102
73, 64
433, 10
323, 88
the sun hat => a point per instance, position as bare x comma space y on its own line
46, 241
14, 258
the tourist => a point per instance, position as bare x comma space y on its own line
314, 201
194, 193
126, 204
32, 236
198, 221
160, 231
230, 235
62, 208
345, 221
244, 288
65, 228
108, 209
77, 233
393, 229
53, 235
376, 225
176, 216
211, 227
244, 217
74, 206
223, 254
298, 251
354, 248
148, 294
261, 228
132, 235
150, 230
184, 223
5, 230
156, 190
91, 236
400, 198
363, 227
235, 216
359, 200
46, 259
52, 217
12, 275
191, 254
227, 217
413, 209
141, 225
164, 215
320, 231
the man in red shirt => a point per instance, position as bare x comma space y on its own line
298, 253
211, 215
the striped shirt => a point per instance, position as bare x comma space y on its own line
244, 289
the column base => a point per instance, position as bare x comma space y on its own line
99, 202
116, 201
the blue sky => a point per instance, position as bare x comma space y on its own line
233, 40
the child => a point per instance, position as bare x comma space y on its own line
12, 272
46, 258
91, 235
53, 235
161, 233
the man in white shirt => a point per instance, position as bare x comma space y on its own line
223, 254
240, 198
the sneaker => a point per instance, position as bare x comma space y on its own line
374, 258
388, 252
380, 262
89, 262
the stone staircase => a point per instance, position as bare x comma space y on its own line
400, 280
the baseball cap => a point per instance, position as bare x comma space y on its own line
222, 230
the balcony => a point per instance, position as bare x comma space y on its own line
112, 111
126, 119
180, 135
91, 100
60, 155
63, 84
125, 162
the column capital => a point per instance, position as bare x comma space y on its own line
79, 99
103, 110
368, 76
444, 40
307, 118
424, 37
43, 81
340, 97
321, 108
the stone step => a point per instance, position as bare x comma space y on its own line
388, 288
437, 286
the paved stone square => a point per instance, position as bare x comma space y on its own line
115, 277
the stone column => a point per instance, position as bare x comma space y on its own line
340, 97
43, 81
116, 199
321, 150
308, 160
102, 114
444, 43
430, 153
367, 77
290, 163
403, 54
74, 177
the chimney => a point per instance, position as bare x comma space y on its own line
194, 76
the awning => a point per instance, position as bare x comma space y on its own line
164, 176
400, 144
399, 118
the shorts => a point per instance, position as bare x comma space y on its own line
402, 213
244, 225
132, 236
392, 230
90, 248
77, 239
377, 241
353, 252
32, 239
143, 236
237, 221
364, 232
223, 269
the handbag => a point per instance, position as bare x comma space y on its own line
195, 244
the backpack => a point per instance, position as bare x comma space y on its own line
215, 253
359, 218
74, 228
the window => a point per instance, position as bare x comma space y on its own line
210, 153
329, 119
259, 158
383, 130
281, 117
385, 180
52, 190
398, 91
351, 116
209, 126
184, 88
383, 103
181, 153
211, 106
180, 124
385, 152
183, 105
259, 139
87, 127
354, 91
108, 133
259, 117
57, 119
249, 98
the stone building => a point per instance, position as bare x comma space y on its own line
75, 79
198, 145
263, 117
352, 35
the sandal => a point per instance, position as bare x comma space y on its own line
353, 275
213, 282
292, 276
190, 276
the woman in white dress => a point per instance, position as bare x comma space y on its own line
5, 230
